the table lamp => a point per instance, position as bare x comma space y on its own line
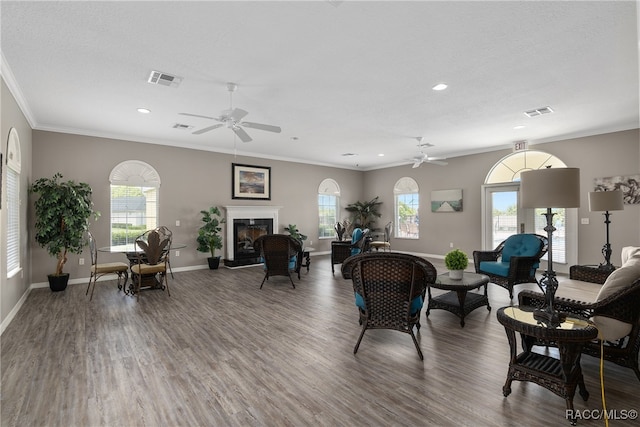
550, 188
606, 201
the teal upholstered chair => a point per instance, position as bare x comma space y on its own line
389, 290
359, 241
514, 261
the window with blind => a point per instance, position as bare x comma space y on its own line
134, 201
13, 222
14, 165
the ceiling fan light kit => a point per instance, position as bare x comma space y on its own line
231, 119
423, 158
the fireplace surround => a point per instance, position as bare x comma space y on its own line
245, 224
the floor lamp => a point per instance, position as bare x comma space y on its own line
550, 188
605, 201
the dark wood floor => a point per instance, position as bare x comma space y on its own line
221, 352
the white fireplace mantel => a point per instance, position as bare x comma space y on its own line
248, 212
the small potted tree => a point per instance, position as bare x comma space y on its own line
209, 238
62, 219
456, 261
292, 229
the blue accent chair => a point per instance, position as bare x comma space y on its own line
513, 261
389, 290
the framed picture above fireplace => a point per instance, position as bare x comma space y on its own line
251, 182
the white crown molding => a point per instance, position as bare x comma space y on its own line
14, 88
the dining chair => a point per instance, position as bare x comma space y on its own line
153, 261
98, 270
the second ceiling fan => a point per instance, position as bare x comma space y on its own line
231, 119
423, 158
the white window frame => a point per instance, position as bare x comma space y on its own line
403, 187
141, 177
328, 188
13, 202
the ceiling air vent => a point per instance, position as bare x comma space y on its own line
538, 112
182, 126
349, 154
164, 79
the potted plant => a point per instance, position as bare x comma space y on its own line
364, 214
292, 229
209, 238
62, 219
456, 261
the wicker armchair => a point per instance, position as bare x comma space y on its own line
279, 252
623, 305
512, 268
389, 288
340, 251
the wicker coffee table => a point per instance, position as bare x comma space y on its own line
458, 300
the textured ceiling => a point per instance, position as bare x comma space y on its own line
337, 77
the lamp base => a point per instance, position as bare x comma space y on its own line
606, 267
551, 319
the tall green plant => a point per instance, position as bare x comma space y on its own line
364, 214
62, 216
209, 238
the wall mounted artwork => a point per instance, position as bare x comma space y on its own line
446, 200
628, 184
251, 182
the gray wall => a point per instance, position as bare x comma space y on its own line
192, 180
11, 290
597, 156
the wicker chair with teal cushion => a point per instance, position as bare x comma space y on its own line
389, 290
513, 261
279, 252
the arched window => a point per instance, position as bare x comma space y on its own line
134, 200
407, 203
503, 214
14, 166
328, 204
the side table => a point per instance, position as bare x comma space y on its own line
561, 376
458, 301
304, 260
589, 273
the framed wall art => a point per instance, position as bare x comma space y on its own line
446, 200
251, 182
628, 184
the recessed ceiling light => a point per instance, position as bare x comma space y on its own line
519, 127
440, 86
144, 110
381, 155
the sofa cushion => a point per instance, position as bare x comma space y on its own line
355, 236
629, 252
611, 329
520, 245
495, 267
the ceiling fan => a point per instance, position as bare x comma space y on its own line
231, 119
423, 158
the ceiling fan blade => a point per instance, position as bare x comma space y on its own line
198, 115
260, 126
237, 114
241, 134
207, 129
437, 162
416, 165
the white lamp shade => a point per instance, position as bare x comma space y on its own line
600, 201
550, 188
